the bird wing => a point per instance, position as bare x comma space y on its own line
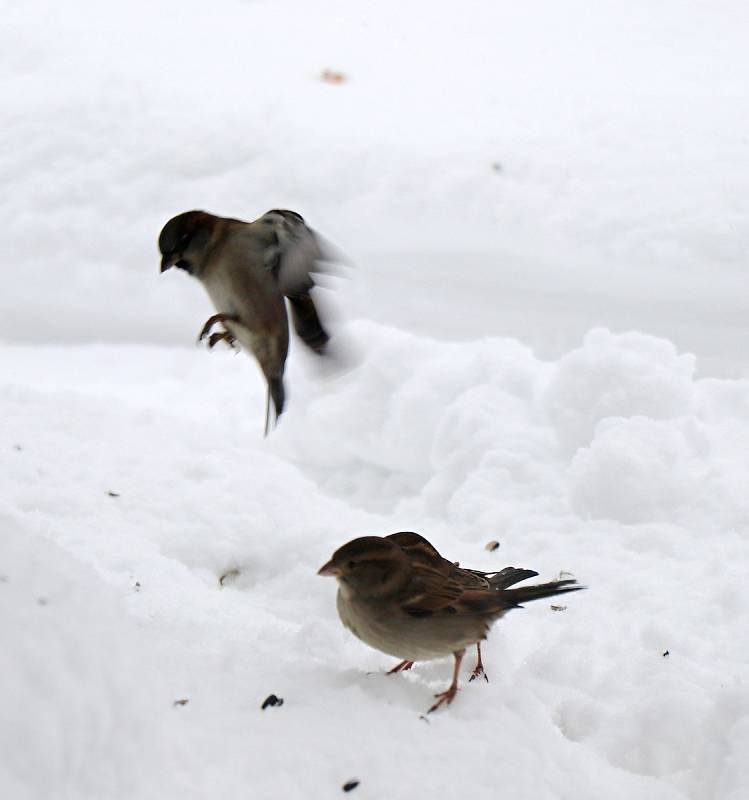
430, 591
433, 592
431, 587
440, 588
293, 252
417, 548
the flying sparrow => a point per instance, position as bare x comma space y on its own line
248, 268
399, 595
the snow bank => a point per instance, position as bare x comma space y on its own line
512, 182
148, 465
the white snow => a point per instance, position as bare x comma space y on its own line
542, 341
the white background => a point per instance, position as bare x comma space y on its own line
542, 340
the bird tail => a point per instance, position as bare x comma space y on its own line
307, 322
524, 594
509, 576
277, 394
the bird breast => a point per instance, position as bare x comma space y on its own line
382, 624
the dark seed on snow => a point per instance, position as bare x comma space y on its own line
271, 700
492, 546
113, 494
232, 573
182, 702
666, 653
349, 785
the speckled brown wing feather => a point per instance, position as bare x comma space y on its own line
422, 553
439, 587
418, 548
430, 591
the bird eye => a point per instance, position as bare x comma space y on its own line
351, 564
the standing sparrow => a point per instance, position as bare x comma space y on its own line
399, 595
248, 268
418, 548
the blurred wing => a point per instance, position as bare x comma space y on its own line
293, 253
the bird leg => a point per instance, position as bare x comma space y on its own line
402, 667
215, 338
211, 321
448, 695
478, 670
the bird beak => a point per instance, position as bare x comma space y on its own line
329, 569
169, 261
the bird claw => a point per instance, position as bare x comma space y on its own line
211, 321
479, 672
444, 697
225, 336
400, 667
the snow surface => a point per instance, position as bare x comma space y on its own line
543, 342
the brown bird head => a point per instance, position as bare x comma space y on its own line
371, 567
184, 239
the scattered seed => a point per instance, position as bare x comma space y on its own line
496, 166
137, 586
17, 447
492, 546
232, 573
41, 601
558, 608
182, 702
271, 700
666, 653
113, 494
332, 76
349, 785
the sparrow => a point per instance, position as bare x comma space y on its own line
419, 548
400, 596
248, 270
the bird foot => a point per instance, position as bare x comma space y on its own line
444, 697
479, 672
211, 321
225, 336
401, 667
